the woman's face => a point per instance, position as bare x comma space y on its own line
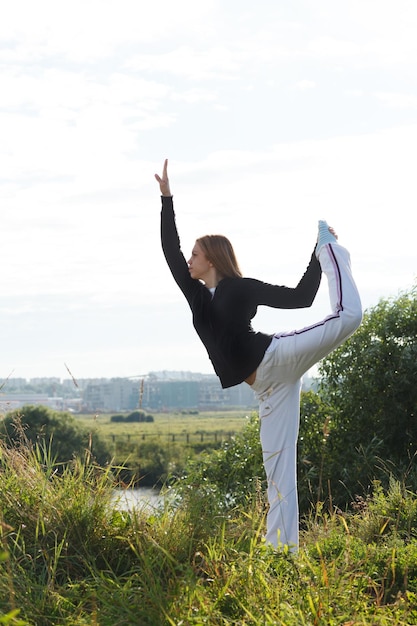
198, 264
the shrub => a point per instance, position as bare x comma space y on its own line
135, 416
229, 475
53, 430
117, 418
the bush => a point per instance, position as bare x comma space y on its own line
117, 418
135, 416
56, 431
370, 383
229, 475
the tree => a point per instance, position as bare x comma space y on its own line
315, 416
370, 383
58, 431
117, 418
135, 416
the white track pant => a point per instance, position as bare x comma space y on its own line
278, 386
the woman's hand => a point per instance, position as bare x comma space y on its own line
163, 180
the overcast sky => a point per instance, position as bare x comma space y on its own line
273, 115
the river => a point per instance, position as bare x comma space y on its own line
144, 497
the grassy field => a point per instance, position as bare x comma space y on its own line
69, 558
178, 427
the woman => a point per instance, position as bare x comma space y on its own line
223, 304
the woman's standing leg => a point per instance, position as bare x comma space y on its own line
279, 423
278, 384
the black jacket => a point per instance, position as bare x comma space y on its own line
223, 322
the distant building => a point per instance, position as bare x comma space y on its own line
44, 381
15, 383
116, 394
201, 392
165, 392
10, 402
156, 391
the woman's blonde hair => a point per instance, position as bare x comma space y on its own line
219, 251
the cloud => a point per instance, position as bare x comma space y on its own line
397, 100
304, 85
219, 63
91, 30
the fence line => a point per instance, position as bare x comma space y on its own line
216, 436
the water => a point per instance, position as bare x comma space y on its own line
141, 498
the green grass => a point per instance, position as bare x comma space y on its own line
168, 424
67, 557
